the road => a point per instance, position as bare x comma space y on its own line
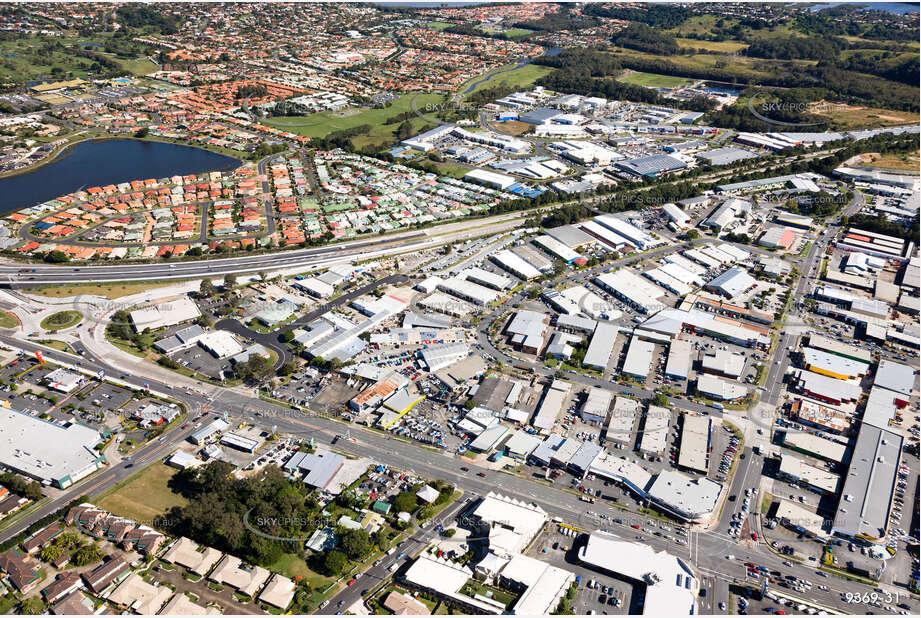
375, 575
20, 274
709, 547
273, 341
706, 549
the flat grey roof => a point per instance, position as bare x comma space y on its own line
895, 377
546, 449
571, 235
639, 357
599, 349
585, 456
867, 495
695, 436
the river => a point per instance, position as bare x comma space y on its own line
97, 163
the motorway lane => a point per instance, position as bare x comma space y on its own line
38, 274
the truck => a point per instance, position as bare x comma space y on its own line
718, 406
497, 455
587, 499
393, 567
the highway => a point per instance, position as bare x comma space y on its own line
707, 549
15, 274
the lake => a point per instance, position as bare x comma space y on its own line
97, 163
897, 8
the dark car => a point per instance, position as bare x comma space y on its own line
465, 468
482, 474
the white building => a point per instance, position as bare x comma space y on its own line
671, 584
512, 523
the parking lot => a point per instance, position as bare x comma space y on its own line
97, 403
203, 362
596, 592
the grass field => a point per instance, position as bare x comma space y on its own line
652, 80
8, 320
516, 32
106, 290
145, 496
519, 78
26, 58
61, 320
439, 25
57, 345
449, 168
137, 66
701, 24
324, 123
727, 47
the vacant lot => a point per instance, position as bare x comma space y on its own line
858, 116
137, 66
145, 497
908, 162
439, 25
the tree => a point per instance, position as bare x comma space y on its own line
404, 131
31, 606
87, 554
405, 501
52, 552
230, 280
142, 133
692, 234
287, 368
56, 257
335, 562
18, 485
660, 400
356, 543
288, 336
256, 369
207, 288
